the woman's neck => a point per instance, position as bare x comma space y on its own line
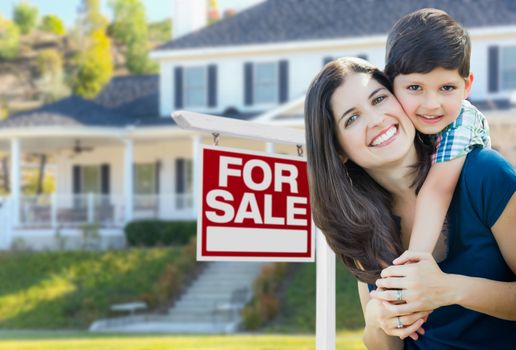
398, 177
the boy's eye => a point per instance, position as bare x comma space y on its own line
448, 88
413, 87
350, 120
378, 99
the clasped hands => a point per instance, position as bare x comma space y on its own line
423, 289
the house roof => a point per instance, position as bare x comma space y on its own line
131, 100
70, 111
275, 21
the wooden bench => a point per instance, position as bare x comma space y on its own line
131, 308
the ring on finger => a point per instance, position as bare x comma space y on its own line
399, 295
399, 324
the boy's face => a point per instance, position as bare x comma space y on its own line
432, 100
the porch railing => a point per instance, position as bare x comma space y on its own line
62, 210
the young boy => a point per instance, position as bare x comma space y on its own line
427, 59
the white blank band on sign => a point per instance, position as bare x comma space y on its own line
239, 239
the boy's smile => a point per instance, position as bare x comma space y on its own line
432, 100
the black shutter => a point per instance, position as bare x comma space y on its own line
283, 81
212, 85
157, 175
76, 176
363, 56
180, 175
248, 84
327, 60
493, 69
104, 178
178, 87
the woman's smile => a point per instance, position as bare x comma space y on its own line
387, 136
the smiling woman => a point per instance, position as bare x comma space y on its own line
365, 169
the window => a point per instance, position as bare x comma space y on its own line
508, 68
195, 87
184, 183
265, 83
91, 181
145, 178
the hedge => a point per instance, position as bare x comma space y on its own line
149, 233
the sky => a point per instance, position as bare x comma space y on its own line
155, 9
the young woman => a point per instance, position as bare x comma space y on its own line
365, 166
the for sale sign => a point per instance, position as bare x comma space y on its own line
255, 207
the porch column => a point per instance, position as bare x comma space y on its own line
196, 160
269, 147
128, 180
15, 181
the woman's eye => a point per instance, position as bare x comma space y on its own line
350, 120
414, 87
379, 99
448, 88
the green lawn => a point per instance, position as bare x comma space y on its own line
27, 340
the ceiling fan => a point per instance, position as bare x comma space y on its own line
78, 148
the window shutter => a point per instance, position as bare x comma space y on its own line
180, 175
493, 69
327, 60
157, 175
178, 87
212, 85
248, 84
104, 178
283, 81
76, 179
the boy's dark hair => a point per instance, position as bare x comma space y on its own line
424, 40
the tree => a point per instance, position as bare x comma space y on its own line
90, 18
129, 28
25, 16
93, 63
9, 39
52, 24
213, 12
95, 66
51, 82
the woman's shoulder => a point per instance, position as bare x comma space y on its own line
487, 182
483, 162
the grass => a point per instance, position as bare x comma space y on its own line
297, 308
71, 289
27, 340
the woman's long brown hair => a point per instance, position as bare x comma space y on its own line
349, 207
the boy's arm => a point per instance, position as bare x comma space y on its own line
432, 204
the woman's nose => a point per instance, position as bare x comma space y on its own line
375, 119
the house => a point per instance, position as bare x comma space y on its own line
121, 157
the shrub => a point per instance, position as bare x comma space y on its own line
52, 24
9, 39
265, 304
25, 16
150, 233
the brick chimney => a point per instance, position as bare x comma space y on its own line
188, 16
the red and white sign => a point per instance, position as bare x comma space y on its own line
255, 207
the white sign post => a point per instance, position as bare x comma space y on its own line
325, 258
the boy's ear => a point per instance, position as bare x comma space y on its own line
469, 83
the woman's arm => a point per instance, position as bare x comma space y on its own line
425, 287
374, 337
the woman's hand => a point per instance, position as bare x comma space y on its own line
378, 314
422, 283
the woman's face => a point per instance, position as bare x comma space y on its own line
372, 128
